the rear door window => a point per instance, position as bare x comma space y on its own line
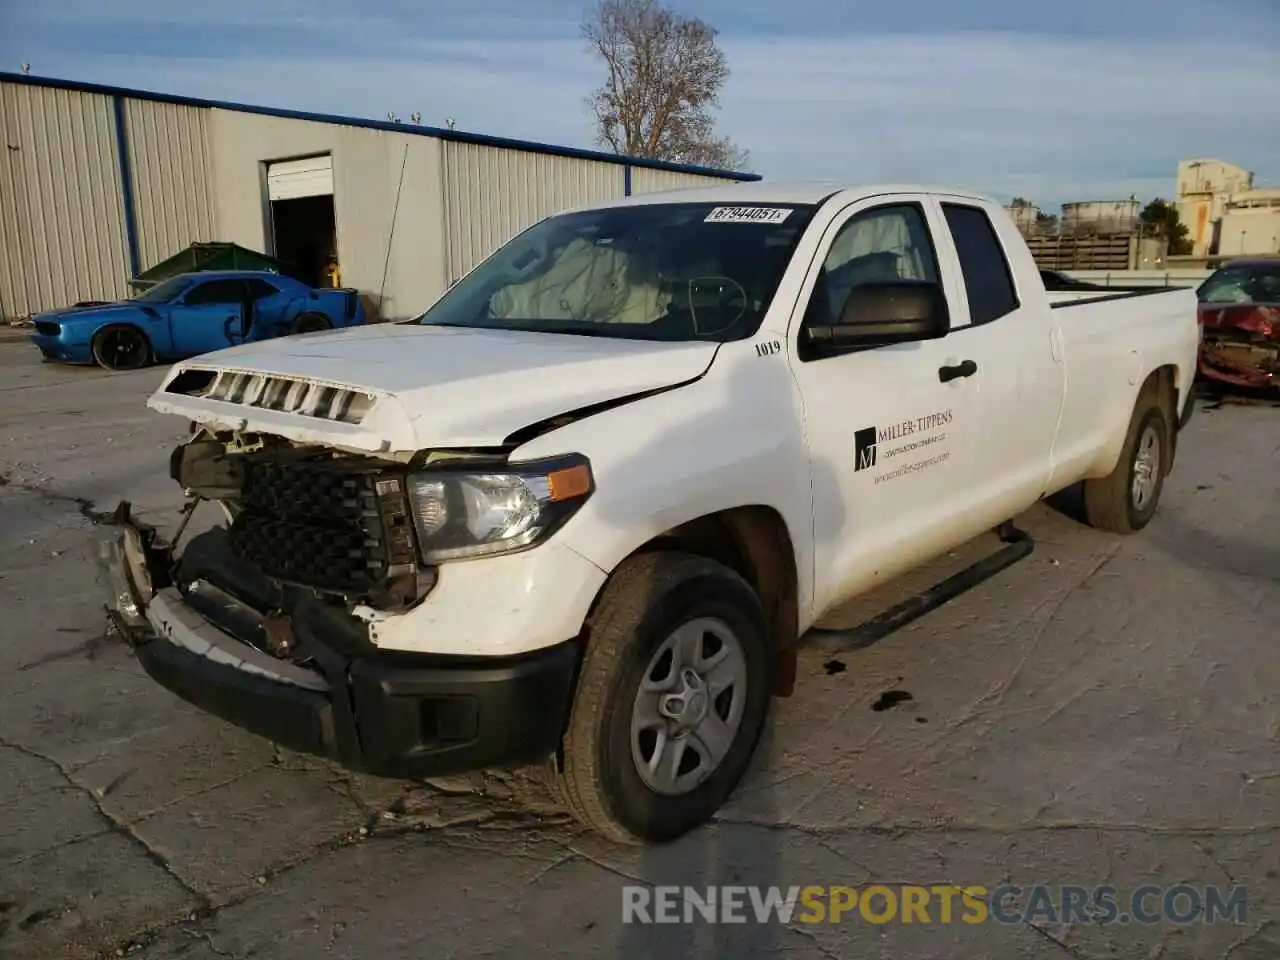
988, 281
217, 291
259, 289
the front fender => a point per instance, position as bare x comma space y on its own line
734, 438
82, 329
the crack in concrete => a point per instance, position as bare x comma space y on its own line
89, 649
1249, 937
994, 698
1216, 862
610, 868
1054, 940
556, 864
60, 845
184, 797
112, 825
84, 506
813, 938
376, 830
207, 937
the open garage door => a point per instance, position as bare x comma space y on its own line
293, 179
302, 219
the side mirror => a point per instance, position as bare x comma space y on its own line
896, 311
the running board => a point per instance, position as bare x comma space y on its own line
1018, 546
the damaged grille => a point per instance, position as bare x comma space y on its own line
326, 524
1243, 351
307, 398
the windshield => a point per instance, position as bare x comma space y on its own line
1243, 284
164, 291
674, 271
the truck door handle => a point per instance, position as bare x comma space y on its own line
966, 368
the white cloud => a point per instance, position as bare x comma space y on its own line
1049, 118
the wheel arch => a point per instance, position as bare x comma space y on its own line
755, 542
1163, 385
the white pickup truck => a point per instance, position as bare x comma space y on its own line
581, 510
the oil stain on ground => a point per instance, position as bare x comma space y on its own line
891, 698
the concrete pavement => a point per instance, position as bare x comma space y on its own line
1105, 712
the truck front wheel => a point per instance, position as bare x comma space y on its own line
1125, 500
671, 698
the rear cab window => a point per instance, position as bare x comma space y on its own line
988, 280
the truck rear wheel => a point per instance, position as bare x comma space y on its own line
1125, 500
671, 699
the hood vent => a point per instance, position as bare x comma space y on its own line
269, 391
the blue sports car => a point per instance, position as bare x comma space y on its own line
191, 314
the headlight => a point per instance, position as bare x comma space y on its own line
463, 513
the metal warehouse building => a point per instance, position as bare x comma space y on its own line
97, 184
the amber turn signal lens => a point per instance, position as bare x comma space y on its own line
570, 482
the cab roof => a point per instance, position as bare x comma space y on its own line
770, 192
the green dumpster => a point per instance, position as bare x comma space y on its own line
206, 256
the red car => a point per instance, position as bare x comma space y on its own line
1240, 324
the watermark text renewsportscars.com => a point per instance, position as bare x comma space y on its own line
881, 904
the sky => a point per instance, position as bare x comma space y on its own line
1053, 102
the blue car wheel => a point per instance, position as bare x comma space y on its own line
311, 323
121, 347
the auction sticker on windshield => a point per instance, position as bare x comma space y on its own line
749, 215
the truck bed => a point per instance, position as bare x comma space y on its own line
1059, 299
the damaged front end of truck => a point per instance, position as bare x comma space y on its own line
252, 620
263, 620
348, 470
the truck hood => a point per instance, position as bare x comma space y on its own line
404, 387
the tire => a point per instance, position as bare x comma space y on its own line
121, 347
646, 600
310, 323
1189, 408
1112, 503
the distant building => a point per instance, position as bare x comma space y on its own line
1224, 213
1090, 235
1251, 223
1026, 216
97, 184
1101, 216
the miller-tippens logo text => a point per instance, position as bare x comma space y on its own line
909, 427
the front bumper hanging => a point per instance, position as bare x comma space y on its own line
200, 626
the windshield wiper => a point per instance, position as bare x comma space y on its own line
596, 330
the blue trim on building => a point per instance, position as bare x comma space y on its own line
440, 133
626, 180
126, 185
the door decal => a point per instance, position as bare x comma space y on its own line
920, 436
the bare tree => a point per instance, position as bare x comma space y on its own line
665, 72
